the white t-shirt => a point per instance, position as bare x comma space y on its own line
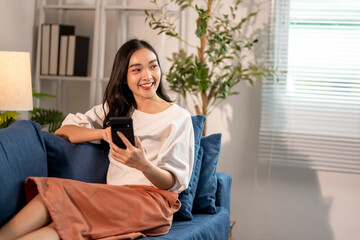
167, 137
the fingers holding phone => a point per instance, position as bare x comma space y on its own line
131, 156
123, 147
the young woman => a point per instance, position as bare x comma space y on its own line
143, 181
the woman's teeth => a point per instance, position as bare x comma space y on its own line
146, 85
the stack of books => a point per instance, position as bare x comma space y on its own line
63, 52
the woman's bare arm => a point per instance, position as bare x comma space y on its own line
76, 134
161, 178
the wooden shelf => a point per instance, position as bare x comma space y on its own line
66, 78
70, 7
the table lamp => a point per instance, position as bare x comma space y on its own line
15, 81
15, 85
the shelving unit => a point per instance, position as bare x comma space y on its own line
62, 8
97, 78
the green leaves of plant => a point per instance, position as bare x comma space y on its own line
188, 74
201, 24
161, 25
183, 3
50, 117
7, 118
212, 75
41, 96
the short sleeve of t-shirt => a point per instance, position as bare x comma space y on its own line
91, 119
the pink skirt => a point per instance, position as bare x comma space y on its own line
98, 211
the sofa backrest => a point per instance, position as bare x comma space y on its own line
83, 161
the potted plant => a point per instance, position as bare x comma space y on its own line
50, 119
208, 77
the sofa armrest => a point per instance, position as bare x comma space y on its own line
223, 190
22, 154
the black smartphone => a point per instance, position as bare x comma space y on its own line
124, 125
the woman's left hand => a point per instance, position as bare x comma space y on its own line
131, 156
135, 157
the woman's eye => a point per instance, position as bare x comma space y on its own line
135, 70
154, 66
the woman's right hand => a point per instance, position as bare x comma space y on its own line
106, 135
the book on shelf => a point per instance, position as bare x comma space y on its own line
77, 57
56, 31
63, 54
45, 49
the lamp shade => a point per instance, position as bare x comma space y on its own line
15, 81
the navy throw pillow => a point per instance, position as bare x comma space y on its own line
78, 161
22, 154
187, 196
206, 191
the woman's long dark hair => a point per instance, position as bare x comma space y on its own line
118, 95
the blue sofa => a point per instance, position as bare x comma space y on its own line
26, 150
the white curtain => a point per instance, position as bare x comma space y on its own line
311, 115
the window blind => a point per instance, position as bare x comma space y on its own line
311, 116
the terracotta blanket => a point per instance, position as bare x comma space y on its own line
98, 211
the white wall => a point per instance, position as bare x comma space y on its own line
17, 33
279, 203
16, 25
268, 203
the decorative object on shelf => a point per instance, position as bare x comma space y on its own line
56, 31
63, 56
77, 55
62, 52
74, 54
45, 49
50, 46
15, 85
209, 77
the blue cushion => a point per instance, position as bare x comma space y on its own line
22, 154
206, 191
187, 196
223, 190
83, 161
202, 227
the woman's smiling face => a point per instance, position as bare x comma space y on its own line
143, 76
